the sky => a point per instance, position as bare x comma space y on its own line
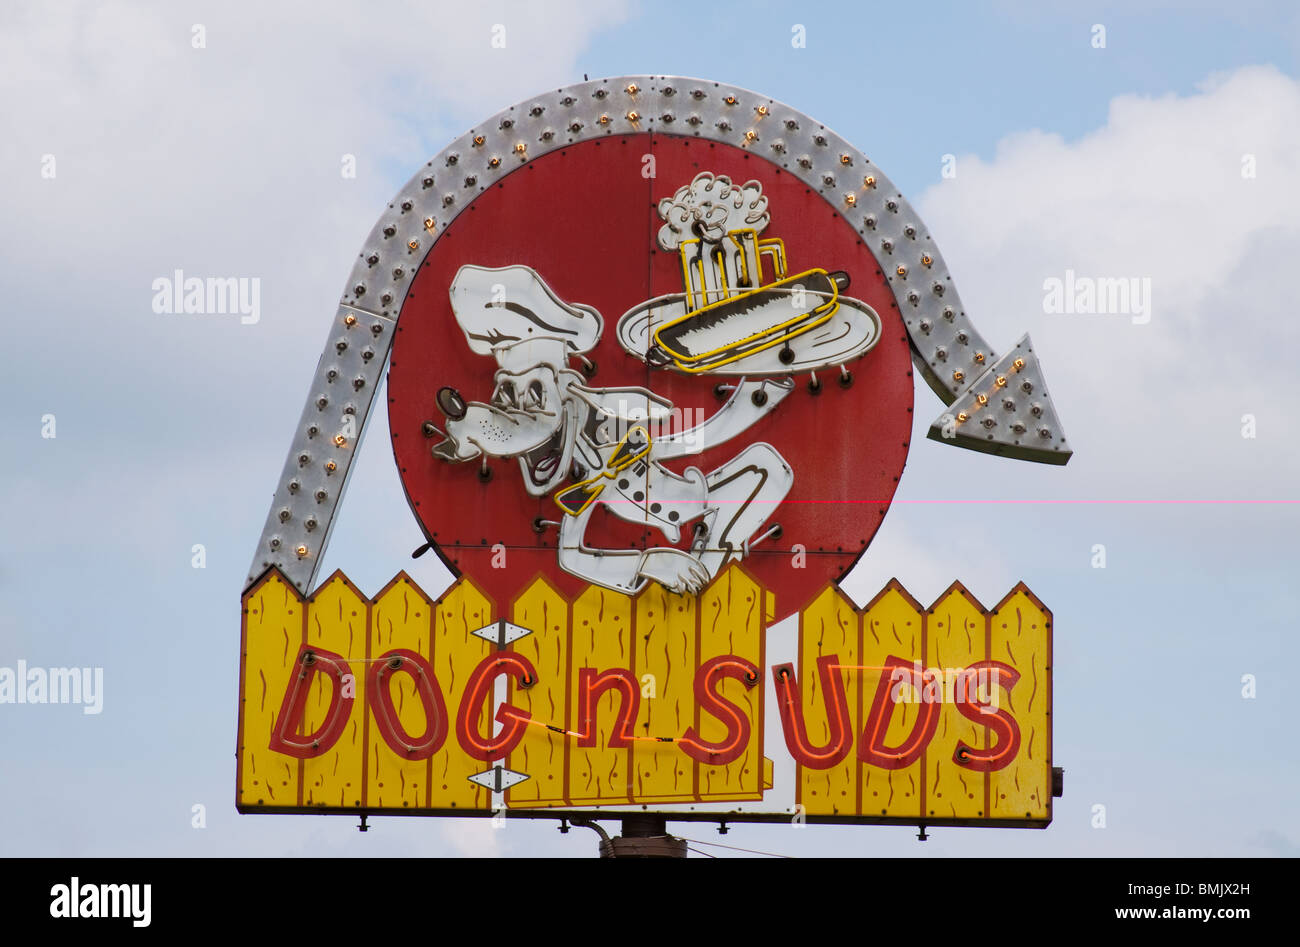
1170, 155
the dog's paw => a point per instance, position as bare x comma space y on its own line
677, 571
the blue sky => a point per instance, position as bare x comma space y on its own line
224, 160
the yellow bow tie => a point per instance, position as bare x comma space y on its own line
633, 447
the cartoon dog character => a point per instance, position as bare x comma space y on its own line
543, 413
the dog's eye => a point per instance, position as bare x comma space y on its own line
505, 395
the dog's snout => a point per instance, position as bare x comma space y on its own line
451, 403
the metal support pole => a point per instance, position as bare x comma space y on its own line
644, 836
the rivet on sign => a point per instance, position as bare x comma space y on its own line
926, 326
321, 402
521, 148
910, 231
941, 354
901, 270
958, 375
330, 466
303, 459
302, 551
632, 88
989, 422
548, 135
284, 516
845, 160
1018, 364
1044, 432
331, 374
398, 272
730, 100
358, 383
850, 199
359, 289
962, 416
386, 298
574, 128
293, 486
349, 320
389, 230
340, 440
948, 313
406, 205
820, 139
372, 259
427, 182
828, 180
983, 399
367, 354
313, 431
891, 206
633, 116
603, 120
751, 135
341, 345
275, 542
1001, 381
377, 328
310, 523
471, 180
869, 181
887, 246
925, 260
979, 357
452, 159
536, 110
761, 110
413, 244
448, 200
320, 496
478, 141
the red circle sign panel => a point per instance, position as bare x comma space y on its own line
640, 359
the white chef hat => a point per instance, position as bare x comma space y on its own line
498, 309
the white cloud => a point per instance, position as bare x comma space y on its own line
1157, 193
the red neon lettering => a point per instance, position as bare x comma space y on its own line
840, 740
591, 685
707, 679
379, 695
872, 748
514, 721
285, 738
1003, 725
